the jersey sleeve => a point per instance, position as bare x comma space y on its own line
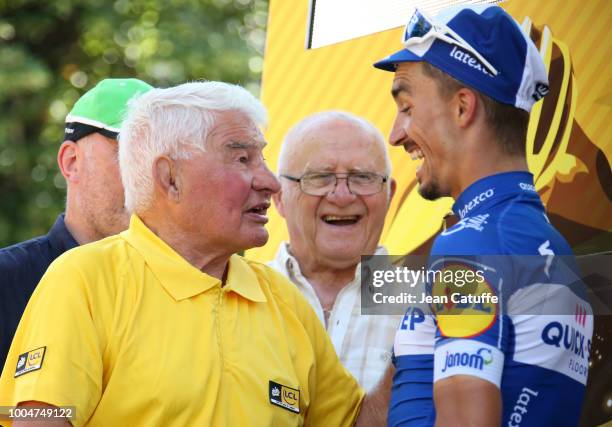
56, 355
472, 330
411, 401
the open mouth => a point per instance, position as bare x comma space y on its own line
415, 154
259, 209
258, 212
341, 220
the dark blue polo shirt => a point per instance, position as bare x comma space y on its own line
21, 267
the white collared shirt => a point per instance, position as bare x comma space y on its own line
363, 343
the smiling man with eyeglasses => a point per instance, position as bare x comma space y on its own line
335, 193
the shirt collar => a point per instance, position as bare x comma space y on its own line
181, 279
243, 280
59, 236
482, 194
291, 267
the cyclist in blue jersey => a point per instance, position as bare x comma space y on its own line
464, 85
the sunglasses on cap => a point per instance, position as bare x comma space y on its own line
420, 28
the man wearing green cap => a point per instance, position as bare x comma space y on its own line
94, 203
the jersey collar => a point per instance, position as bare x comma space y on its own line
485, 192
181, 279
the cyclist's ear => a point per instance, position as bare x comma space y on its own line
465, 104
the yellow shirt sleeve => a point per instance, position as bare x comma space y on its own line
57, 332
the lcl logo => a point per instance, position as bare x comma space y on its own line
290, 396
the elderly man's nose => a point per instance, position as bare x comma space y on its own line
266, 180
341, 193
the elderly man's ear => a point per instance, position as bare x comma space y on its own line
278, 202
392, 188
165, 177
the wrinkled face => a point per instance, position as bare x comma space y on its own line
422, 127
101, 193
225, 191
336, 229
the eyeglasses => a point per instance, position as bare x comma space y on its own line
421, 28
323, 183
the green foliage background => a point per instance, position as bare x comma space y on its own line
51, 52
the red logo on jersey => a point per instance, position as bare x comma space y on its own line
580, 315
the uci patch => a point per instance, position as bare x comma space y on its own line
30, 361
285, 397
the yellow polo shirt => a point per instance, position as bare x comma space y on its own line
131, 334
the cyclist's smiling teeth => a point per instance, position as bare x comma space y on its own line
341, 220
417, 154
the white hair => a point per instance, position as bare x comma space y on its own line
297, 132
173, 122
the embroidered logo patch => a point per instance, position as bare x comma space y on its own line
285, 397
30, 361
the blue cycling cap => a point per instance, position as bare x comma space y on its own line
520, 78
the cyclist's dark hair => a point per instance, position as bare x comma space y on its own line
508, 122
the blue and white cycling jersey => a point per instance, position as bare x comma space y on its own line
534, 345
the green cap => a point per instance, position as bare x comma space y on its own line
104, 106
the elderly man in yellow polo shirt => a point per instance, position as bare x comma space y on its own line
163, 325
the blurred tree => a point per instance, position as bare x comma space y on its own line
51, 52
